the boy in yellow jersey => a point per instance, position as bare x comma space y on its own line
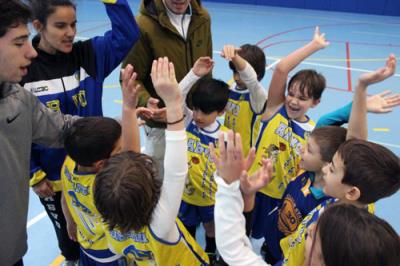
88, 144
247, 96
284, 127
360, 173
208, 98
139, 209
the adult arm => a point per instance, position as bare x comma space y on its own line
112, 48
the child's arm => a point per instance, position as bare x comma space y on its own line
276, 92
201, 68
358, 119
130, 129
232, 242
379, 103
175, 162
71, 225
258, 97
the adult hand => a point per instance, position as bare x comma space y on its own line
44, 188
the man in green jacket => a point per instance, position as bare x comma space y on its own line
179, 30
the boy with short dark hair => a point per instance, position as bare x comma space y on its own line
140, 213
209, 98
89, 143
247, 96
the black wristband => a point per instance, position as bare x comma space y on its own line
177, 121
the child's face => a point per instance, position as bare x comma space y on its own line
297, 104
311, 156
203, 120
333, 176
238, 81
313, 255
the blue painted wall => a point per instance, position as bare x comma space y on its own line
378, 7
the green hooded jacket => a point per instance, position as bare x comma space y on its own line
159, 38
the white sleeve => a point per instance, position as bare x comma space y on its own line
185, 85
175, 172
230, 234
258, 95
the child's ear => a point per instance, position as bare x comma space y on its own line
315, 103
37, 25
353, 194
99, 165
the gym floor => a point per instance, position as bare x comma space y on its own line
359, 43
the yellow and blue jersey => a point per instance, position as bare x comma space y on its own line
297, 201
145, 248
200, 185
78, 193
293, 246
241, 118
281, 139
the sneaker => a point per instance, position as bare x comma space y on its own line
71, 263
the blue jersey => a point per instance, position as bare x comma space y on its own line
298, 200
72, 83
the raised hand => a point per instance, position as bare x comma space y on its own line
381, 73
230, 162
319, 39
229, 52
164, 81
249, 185
383, 102
130, 90
203, 66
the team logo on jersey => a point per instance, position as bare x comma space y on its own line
39, 89
289, 216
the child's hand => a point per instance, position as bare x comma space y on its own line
72, 231
231, 162
381, 73
383, 102
229, 52
130, 90
203, 66
249, 185
164, 81
319, 39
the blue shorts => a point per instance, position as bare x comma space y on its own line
90, 257
263, 207
192, 215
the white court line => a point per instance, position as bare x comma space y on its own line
334, 66
386, 144
318, 64
36, 219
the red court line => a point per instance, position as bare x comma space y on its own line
306, 27
349, 87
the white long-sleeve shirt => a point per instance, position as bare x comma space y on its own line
175, 171
230, 233
258, 95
